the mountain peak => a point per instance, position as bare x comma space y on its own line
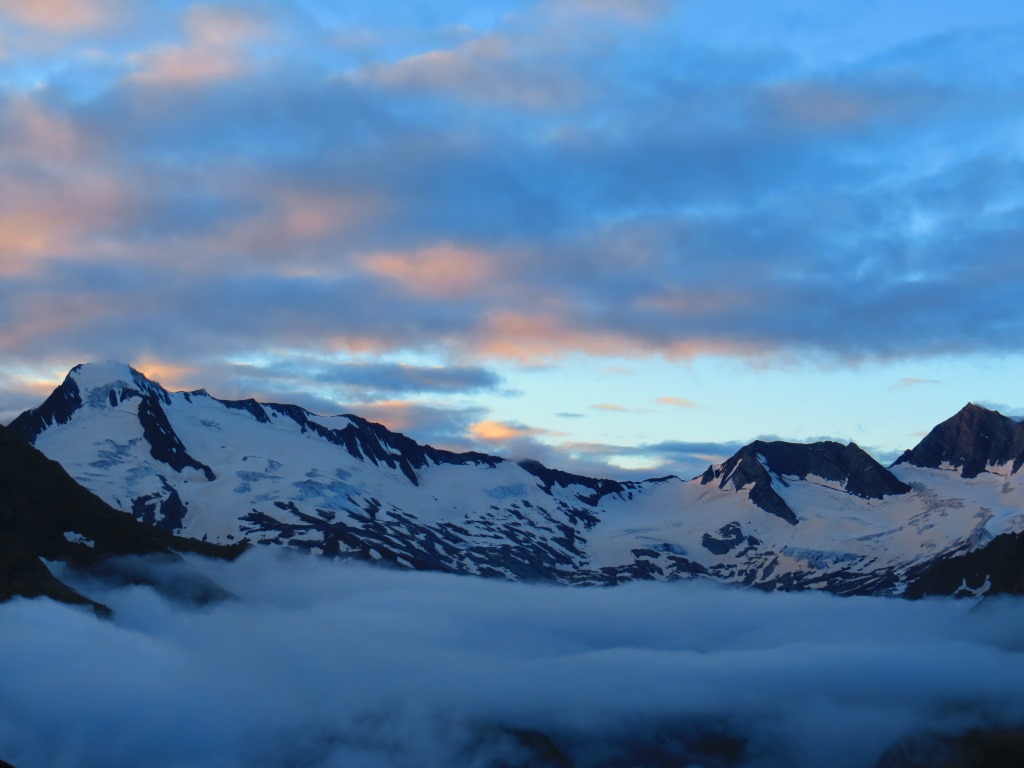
971, 440
761, 464
90, 383
103, 374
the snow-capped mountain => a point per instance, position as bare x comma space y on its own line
776, 515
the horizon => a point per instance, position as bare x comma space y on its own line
621, 237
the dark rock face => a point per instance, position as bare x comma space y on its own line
168, 504
164, 444
729, 537
976, 748
56, 409
375, 443
551, 477
1000, 563
46, 514
761, 464
970, 441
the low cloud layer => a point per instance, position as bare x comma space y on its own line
323, 664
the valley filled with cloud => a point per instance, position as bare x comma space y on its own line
319, 663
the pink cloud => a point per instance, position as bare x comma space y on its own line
678, 402
57, 15
611, 407
214, 49
492, 69
443, 271
501, 432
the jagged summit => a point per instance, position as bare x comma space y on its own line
972, 440
763, 464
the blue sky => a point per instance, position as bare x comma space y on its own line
621, 236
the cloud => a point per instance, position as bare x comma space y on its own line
216, 37
677, 402
371, 379
376, 667
630, 10
57, 15
507, 70
501, 432
443, 271
910, 381
676, 457
440, 425
763, 202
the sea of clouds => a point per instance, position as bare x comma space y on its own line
320, 663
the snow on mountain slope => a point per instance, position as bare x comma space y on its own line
777, 515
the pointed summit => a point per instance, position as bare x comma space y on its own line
92, 383
972, 440
763, 464
105, 375
93, 387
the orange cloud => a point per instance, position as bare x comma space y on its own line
54, 218
53, 209
170, 376
612, 407
502, 432
444, 271
678, 402
489, 69
55, 15
544, 336
309, 216
217, 38
36, 322
539, 336
221, 27
185, 65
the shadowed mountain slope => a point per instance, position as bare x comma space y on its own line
971, 441
45, 514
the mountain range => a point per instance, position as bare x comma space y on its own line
947, 517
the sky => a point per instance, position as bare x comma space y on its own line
325, 664
624, 237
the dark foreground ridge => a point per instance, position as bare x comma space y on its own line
997, 568
45, 514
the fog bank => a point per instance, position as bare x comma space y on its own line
329, 664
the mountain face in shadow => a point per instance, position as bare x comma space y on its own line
970, 441
46, 515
